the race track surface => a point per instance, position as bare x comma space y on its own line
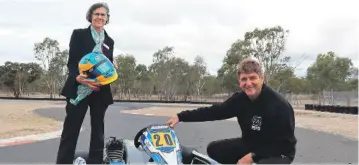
313, 146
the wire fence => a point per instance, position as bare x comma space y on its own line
342, 98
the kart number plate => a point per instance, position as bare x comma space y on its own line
162, 139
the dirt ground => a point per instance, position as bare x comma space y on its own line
342, 124
17, 119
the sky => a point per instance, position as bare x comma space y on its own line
203, 27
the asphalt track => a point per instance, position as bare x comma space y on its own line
313, 146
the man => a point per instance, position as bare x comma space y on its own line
266, 120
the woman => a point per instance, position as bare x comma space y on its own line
83, 41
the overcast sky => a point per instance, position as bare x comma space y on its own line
201, 27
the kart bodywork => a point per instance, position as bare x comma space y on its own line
154, 144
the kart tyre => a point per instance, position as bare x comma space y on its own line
187, 155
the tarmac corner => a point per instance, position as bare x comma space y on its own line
31, 138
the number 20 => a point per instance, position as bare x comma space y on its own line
167, 139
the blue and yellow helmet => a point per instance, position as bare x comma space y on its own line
97, 67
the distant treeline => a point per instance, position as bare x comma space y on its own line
173, 78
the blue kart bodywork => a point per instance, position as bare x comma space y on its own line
154, 144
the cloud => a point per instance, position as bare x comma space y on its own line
204, 27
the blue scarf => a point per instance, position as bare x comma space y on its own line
98, 38
84, 91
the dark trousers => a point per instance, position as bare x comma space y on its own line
71, 129
229, 151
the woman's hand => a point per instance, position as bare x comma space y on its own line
82, 80
247, 159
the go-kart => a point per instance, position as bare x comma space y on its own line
154, 144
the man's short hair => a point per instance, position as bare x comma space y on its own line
250, 65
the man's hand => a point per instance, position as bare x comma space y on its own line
173, 121
247, 159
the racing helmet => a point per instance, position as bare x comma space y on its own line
97, 67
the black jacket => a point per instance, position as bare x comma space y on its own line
267, 123
82, 43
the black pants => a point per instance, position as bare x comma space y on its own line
229, 151
71, 129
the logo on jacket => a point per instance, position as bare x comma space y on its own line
256, 123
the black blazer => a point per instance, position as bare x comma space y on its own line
82, 43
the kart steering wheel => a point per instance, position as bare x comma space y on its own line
136, 141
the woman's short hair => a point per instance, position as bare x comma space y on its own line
250, 65
96, 6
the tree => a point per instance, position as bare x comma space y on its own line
126, 73
57, 70
45, 52
174, 77
282, 79
199, 70
179, 69
211, 85
228, 73
268, 45
329, 72
352, 81
161, 70
265, 44
17, 75
193, 76
144, 82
